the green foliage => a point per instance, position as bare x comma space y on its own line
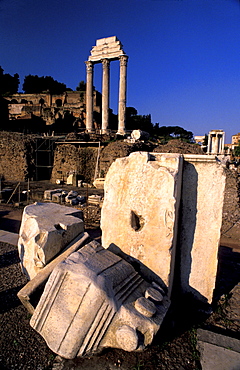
237, 150
35, 84
173, 132
8, 84
135, 121
81, 86
205, 141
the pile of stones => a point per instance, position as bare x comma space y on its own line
70, 197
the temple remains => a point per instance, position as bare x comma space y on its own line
156, 240
106, 49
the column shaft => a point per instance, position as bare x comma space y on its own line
122, 95
89, 97
209, 143
223, 142
216, 143
105, 95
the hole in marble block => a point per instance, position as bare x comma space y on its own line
60, 228
137, 221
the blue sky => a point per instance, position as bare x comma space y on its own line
184, 55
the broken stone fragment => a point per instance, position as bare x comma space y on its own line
49, 193
45, 230
93, 300
99, 183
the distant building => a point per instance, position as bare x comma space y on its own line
236, 139
199, 139
52, 107
216, 139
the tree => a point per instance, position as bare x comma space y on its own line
135, 121
8, 84
81, 86
35, 84
173, 132
237, 150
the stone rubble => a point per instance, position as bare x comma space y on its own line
118, 294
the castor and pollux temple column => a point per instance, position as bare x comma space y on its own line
89, 97
106, 50
105, 95
122, 94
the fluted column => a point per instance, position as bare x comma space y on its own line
89, 97
122, 95
105, 95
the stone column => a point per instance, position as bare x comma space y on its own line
122, 95
89, 97
209, 143
223, 143
216, 144
105, 95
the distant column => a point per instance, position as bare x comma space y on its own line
122, 95
215, 143
89, 97
209, 145
223, 143
105, 95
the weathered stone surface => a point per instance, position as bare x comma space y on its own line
46, 229
201, 218
48, 194
139, 216
34, 286
95, 299
139, 135
108, 47
140, 209
16, 156
70, 158
99, 183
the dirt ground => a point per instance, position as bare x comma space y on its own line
173, 348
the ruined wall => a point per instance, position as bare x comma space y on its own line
231, 209
16, 156
83, 160
119, 149
70, 158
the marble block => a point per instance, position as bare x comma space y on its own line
94, 299
140, 211
46, 228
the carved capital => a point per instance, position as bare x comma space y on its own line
105, 63
89, 66
123, 60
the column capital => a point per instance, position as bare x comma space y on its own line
105, 63
123, 60
89, 66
